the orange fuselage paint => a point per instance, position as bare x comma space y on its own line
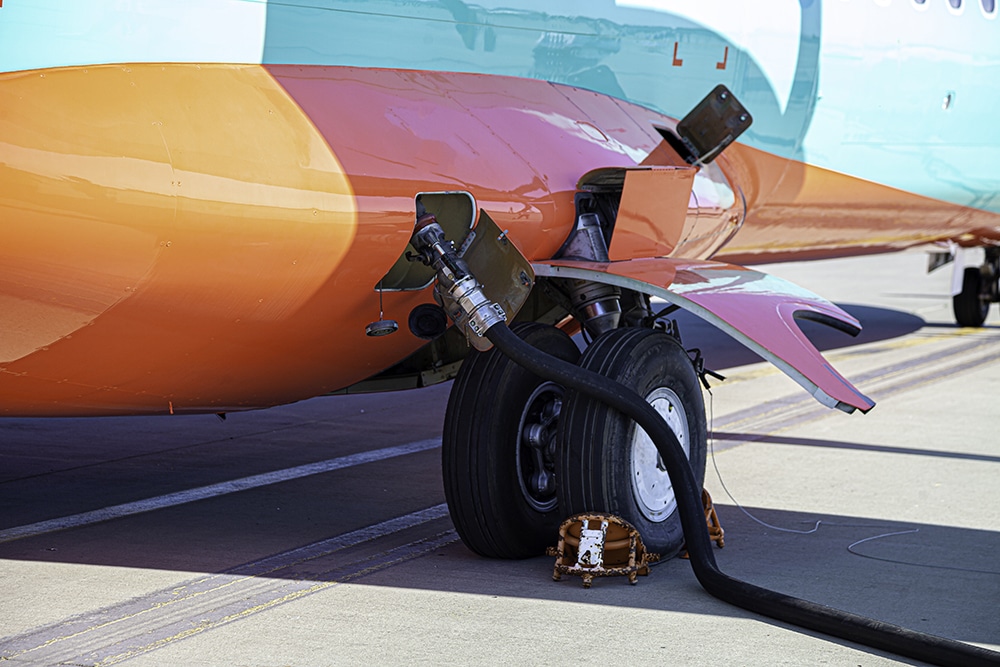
154, 255
193, 238
799, 211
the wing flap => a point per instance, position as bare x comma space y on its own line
755, 308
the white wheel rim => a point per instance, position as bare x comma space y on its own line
651, 487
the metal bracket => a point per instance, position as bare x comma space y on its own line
485, 286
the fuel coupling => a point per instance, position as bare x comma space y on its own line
456, 290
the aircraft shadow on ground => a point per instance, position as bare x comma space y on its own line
719, 350
927, 579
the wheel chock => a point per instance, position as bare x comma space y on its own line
600, 545
712, 519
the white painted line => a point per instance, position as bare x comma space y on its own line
213, 490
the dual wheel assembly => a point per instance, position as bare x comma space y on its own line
520, 454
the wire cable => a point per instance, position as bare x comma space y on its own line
786, 608
711, 449
819, 522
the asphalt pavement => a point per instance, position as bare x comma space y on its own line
316, 533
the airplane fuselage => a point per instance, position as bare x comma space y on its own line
198, 201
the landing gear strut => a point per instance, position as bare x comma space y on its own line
980, 287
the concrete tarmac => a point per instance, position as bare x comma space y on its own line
315, 534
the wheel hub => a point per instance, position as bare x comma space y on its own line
536, 449
651, 486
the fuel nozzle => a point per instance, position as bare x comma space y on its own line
436, 250
457, 290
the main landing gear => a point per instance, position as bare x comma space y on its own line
521, 454
499, 449
980, 288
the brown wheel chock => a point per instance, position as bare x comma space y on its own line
715, 531
600, 545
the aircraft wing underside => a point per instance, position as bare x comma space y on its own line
757, 309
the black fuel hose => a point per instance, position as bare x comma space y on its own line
792, 610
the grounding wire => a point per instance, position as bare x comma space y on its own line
820, 522
711, 449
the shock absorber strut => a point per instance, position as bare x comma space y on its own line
598, 304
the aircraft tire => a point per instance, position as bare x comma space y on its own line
488, 460
972, 304
608, 464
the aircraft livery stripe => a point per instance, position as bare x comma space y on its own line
214, 490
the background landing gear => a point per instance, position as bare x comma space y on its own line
980, 287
